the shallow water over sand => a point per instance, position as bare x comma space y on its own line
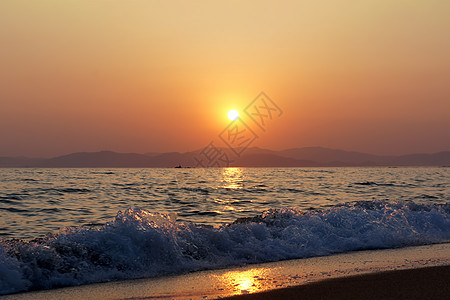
216, 284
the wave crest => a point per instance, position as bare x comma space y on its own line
139, 243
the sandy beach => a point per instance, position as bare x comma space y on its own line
422, 283
421, 272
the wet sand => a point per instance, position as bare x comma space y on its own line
423, 283
421, 272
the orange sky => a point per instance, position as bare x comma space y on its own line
139, 76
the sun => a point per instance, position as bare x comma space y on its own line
233, 115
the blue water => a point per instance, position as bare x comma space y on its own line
65, 227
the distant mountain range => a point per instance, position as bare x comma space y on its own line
252, 157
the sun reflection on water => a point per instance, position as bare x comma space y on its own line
245, 282
232, 178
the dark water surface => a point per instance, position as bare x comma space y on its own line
34, 202
134, 223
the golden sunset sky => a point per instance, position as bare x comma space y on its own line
140, 75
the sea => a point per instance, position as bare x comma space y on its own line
65, 227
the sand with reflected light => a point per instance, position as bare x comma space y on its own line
245, 282
215, 284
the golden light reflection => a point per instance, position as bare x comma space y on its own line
245, 282
232, 178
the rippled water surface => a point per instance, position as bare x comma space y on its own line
34, 202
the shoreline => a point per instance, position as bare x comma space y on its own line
421, 283
287, 277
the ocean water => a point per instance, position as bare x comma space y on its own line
61, 227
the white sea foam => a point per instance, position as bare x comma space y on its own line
139, 243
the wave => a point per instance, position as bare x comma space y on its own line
140, 243
373, 183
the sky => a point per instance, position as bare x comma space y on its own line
158, 76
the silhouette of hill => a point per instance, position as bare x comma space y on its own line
270, 160
325, 155
251, 157
102, 159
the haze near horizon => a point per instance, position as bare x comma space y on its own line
161, 76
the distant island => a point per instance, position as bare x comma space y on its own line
252, 157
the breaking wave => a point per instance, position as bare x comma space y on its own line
140, 243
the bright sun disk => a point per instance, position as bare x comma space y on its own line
233, 115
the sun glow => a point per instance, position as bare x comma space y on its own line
245, 282
233, 115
